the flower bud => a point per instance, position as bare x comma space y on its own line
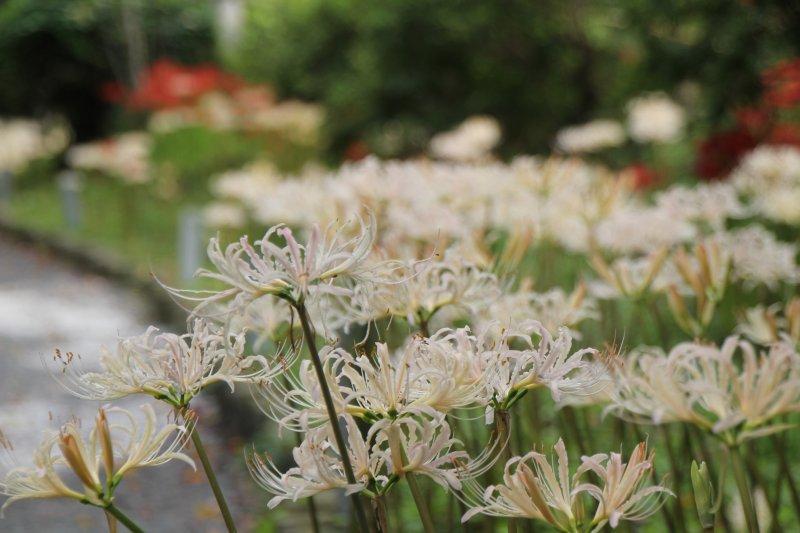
703, 494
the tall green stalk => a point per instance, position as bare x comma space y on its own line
740, 476
212, 480
422, 505
123, 518
358, 507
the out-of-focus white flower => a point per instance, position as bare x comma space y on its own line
655, 117
780, 204
426, 287
628, 277
765, 325
125, 156
770, 178
590, 137
472, 140
299, 121
245, 185
702, 385
169, 367
767, 167
639, 229
117, 447
536, 487
553, 308
710, 204
23, 140
758, 257
224, 215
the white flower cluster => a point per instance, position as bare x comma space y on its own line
24, 140
125, 156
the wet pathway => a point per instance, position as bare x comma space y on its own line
45, 305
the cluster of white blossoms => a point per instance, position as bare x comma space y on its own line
709, 387
117, 445
125, 156
590, 137
24, 140
472, 140
534, 487
769, 177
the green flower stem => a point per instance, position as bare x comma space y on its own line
744, 491
358, 506
419, 500
675, 466
212, 480
502, 420
780, 449
123, 518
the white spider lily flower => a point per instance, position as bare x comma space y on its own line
429, 286
623, 492
548, 363
319, 466
758, 257
553, 308
632, 278
422, 444
294, 271
765, 325
531, 488
167, 366
590, 137
116, 447
541, 488
706, 386
296, 402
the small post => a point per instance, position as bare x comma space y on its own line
190, 240
6, 188
70, 187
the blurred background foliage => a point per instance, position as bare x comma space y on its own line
393, 73
407, 69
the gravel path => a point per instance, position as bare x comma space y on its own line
45, 305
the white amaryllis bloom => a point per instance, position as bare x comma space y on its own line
623, 492
628, 277
537, 487
293, 271
427, 287
219, 215
704, 385
472, 140
423, 445
758, 257
765, 325
590, 137
118, 444
553, 308
169, 367
125, 156
710, 205
642, 229
655, 118
319, 466
529, 357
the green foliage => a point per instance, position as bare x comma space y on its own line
408, 69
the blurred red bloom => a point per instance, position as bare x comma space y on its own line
782, 84
641, 175
356, 151
168, 84
784, 134
720, 153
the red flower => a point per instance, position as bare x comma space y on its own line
356, 151
168, 84
784, 134
782, 84
754, 120
721, 152
642, 176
